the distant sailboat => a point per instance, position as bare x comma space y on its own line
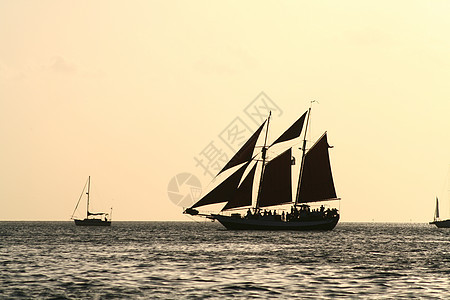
274, 187
92, 219
437, 221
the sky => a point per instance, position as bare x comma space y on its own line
132, 93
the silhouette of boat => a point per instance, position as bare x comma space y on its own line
437, 221
92, 219
274, 186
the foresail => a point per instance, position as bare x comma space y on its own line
316, 179
293, 131
224, 191
245, 153
276, 184
243, 195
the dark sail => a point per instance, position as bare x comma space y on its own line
243, 195
276, 184
225, 190
245, 153
316, 179
293, 131
436, 212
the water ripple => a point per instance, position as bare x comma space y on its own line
170, 260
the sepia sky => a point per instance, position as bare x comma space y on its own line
132, 92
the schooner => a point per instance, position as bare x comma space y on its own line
274, 186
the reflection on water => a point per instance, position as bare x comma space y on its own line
177, 260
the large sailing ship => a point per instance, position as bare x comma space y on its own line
92, 218
274, 186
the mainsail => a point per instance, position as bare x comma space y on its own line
316, 182
225, 190
436, 212
276, 185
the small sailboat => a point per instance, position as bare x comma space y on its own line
274, 186
92, 219
437, 221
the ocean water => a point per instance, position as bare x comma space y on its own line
189, 260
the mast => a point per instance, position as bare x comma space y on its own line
303, 156
263, 151
89, 186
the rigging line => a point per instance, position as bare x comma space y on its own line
82, 192
310, 121
263, 154
303, 158
194, 219
303, 155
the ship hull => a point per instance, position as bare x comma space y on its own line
442, 224
92, 222
233, 223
